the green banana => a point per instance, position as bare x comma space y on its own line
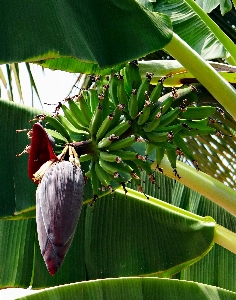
58, 126
144, 114
70, 117
197, 124
86, 96
144, 165
132, 78
133, 104
99, 83
77, 113
160, 151
121, 93
143, 89
105, 101
108, 168
154, 123
187, 94
96, 121
162, 106
104, 127
57, 136
116, 116
169, 117
181, 144
125, 154
156, 93
123, 167
203, 131
102, 175
110, 157
120, 128
76, 134
117, 145
172, 157
106, 141
149, 148
85, 157
113, 83
94, 181
136, 172
159, 136
198, 112
174, 128
93, 99
87, 113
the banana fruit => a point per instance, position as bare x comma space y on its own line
106, 120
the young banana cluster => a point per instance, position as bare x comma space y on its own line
114, 113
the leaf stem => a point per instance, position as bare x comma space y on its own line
220, 89
225, 238
203, 184
221, 36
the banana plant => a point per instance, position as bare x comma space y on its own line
126, 233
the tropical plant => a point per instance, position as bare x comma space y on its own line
145, 247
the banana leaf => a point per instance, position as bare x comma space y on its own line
133, 288
92, 32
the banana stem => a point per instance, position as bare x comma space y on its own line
84, 147
225, 238
220, 89
203, 184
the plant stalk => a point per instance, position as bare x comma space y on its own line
221, 36
220, 89
225, 238
202, 183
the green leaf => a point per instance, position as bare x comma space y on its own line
73, 65
208, 6
219, 263
111, 241
72, 29
134, 288
16, 252
191, 28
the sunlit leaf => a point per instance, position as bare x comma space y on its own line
134, 288
190, 27
208, 6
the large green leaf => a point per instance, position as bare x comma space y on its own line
91, 31
208, 6
120, 237
191, 28
220, 263
16, 252
127, 237
134, 288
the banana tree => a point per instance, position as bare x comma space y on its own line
128, 233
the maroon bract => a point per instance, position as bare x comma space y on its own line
41, 149
59, 199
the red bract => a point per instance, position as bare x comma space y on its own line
59, 199
41, 149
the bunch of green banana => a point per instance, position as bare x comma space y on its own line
104, 121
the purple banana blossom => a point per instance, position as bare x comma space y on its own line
59, 199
